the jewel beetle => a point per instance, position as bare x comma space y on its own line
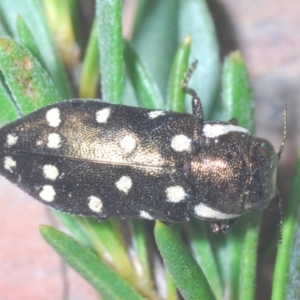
96, 159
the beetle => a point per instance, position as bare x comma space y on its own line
96, 159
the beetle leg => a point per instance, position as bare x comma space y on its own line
222, 227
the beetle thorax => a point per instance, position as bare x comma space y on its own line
233, 172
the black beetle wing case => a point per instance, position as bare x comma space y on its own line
96, 159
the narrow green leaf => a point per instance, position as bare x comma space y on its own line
86, 263
185, 271
30, 10
139, 254
146, 90
204, 253
172, 293
104, 238
236, 91
109, 19
155, 38
75, 226
195, 20
76, 16
8, 110
59, 17
180, 65
248, 259
140, 11
109, 243
28, 40
230, 258
90, 67
29, 83
287, 267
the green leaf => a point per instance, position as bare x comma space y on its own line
28, 40
236, 253
140, 255
146, 90
90, 67
59, 17
287, 267
155, 39
202, 246
195, 20
185, 271
30, 10
172, 293
229, 252
8, 110
180, 66
86, 263
109, 19
108, 242
236, 91
75, 226
29, 84
141, 7
248, 259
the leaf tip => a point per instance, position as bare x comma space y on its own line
44, 229
236, 56
187, 40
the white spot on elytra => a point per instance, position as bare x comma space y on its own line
216, 130
156, 113
53, 117
124, 184
50, 172
203, 211
11, 139
54, 140
47, 193
145, 215
175, 193
9, 163
181, 143
102, 115
95, 204
128, 143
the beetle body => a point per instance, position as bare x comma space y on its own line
96, 159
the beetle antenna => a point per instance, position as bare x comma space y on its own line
196, 102
187, 78
281, 148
